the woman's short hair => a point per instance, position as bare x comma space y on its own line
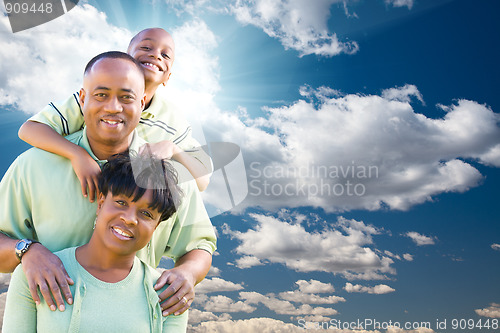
131, 175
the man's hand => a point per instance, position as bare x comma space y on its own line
180, 291
87, 170
45, 270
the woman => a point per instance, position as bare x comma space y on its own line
113, 290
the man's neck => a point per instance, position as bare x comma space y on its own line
104, 150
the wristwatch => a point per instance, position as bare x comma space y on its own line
22, 246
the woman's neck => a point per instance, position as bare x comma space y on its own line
102, 264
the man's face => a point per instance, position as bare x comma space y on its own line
112, 100
154, 49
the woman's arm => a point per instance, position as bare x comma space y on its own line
20, 309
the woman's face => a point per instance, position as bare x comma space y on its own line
123, 225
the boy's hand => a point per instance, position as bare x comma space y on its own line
165, 149
87, 170
45, 270
180, 291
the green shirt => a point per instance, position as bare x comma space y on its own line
130, 305
41, 199
157, 123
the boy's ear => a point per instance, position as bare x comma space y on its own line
166, 80
82, 96
143, 102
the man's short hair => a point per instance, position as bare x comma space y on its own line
132, 176
112, 55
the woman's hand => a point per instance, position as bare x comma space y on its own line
177, 298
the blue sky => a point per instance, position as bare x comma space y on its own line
316, 93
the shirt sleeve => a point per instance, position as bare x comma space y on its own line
20, 309
16, 218
176, 324
65, 118
192, 229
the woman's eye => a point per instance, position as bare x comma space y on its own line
147, 214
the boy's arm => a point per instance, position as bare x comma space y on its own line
168, 150
44, 137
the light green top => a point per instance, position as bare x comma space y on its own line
157, 123
130, 305
41, 199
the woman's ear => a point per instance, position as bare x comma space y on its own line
100, 202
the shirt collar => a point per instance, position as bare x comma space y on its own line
149, 112
136, 143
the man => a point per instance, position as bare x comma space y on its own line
41, 199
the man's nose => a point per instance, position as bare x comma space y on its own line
113, 105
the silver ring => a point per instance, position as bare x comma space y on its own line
184, 300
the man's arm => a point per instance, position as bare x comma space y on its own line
8, 256
43, 269
189, 270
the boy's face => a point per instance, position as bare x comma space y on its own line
155, 51
112, 100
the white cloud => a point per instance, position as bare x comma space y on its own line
214, 271
247, 262
314, 287
365, 152
378, 289
408, 257
495, 246
46, 63
216, 285
262, 325
283, 306
493, 311
420, 239
3, 297
342, 247
306, 298
299, 25
221, 303
196, 316
400, 3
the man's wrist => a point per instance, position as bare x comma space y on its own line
22, 246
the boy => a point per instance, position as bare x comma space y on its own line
169, 135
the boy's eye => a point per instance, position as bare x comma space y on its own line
145, 48
166, 56
121, 202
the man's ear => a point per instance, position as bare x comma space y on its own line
82, 97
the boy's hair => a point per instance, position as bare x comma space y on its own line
132, 176
112, 55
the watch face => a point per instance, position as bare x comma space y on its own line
20, 245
